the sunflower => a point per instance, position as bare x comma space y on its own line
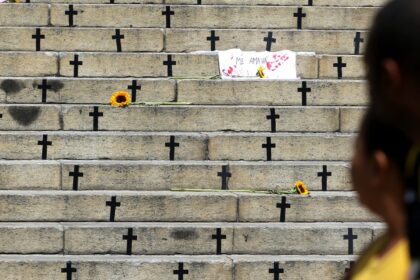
301, 188
120, 99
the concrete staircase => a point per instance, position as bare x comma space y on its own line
85, 188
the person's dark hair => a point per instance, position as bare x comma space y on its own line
395, 34
379, 135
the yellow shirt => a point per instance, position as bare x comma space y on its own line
394, 265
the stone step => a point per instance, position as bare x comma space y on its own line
269, 92
162, 206
166, 175
174, 40
81, 39
187, 238
132, 64
348, 3
208, 92
181, 118
84, 90
197, 238
24, 15
321, 42
126, 64
203, 118
231, 267
192, 146
213, 16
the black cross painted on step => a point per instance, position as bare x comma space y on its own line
45, 143
129, 237
180, 271
134, 87
219, 237
310, 3
169, 63
225, 174
268, 146
350, 267
71, 12
299, 15
38, 36
168, 13
96, 114
69, 270
340, 65
283, 206
304, 90
357, 40
44, 87
171, 145
273, 117
198, 2
118, 38
213, 38
276, 271
76, 63
113, 204
324, 174
111, 2
350, 237
1, 116
269, 39
76, 174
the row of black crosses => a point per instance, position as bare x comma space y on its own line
169, 63
136, 86
224, 175
180, 272
212, 39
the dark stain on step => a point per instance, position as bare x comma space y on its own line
24, 115
12, 86
54, 84
184, 235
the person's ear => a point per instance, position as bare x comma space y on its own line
393, 73
381, 170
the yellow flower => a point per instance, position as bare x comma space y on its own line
301, 188
120, 99
260, 72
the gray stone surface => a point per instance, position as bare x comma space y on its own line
294, 267
15, 175
350, 118
30, 117
15, 64
264, 92
354, 67
31, 238
99, 145
214, 16
84, 90
288, 147
82, 39
165, 175
152, 239
187, 238
318, 207
115, 267
139, 65
134, 206
300, 238
203, 118
23, 15
321, 42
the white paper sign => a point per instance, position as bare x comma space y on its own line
235, 63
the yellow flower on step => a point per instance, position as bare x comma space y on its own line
301, 188
120, 99
260, 72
